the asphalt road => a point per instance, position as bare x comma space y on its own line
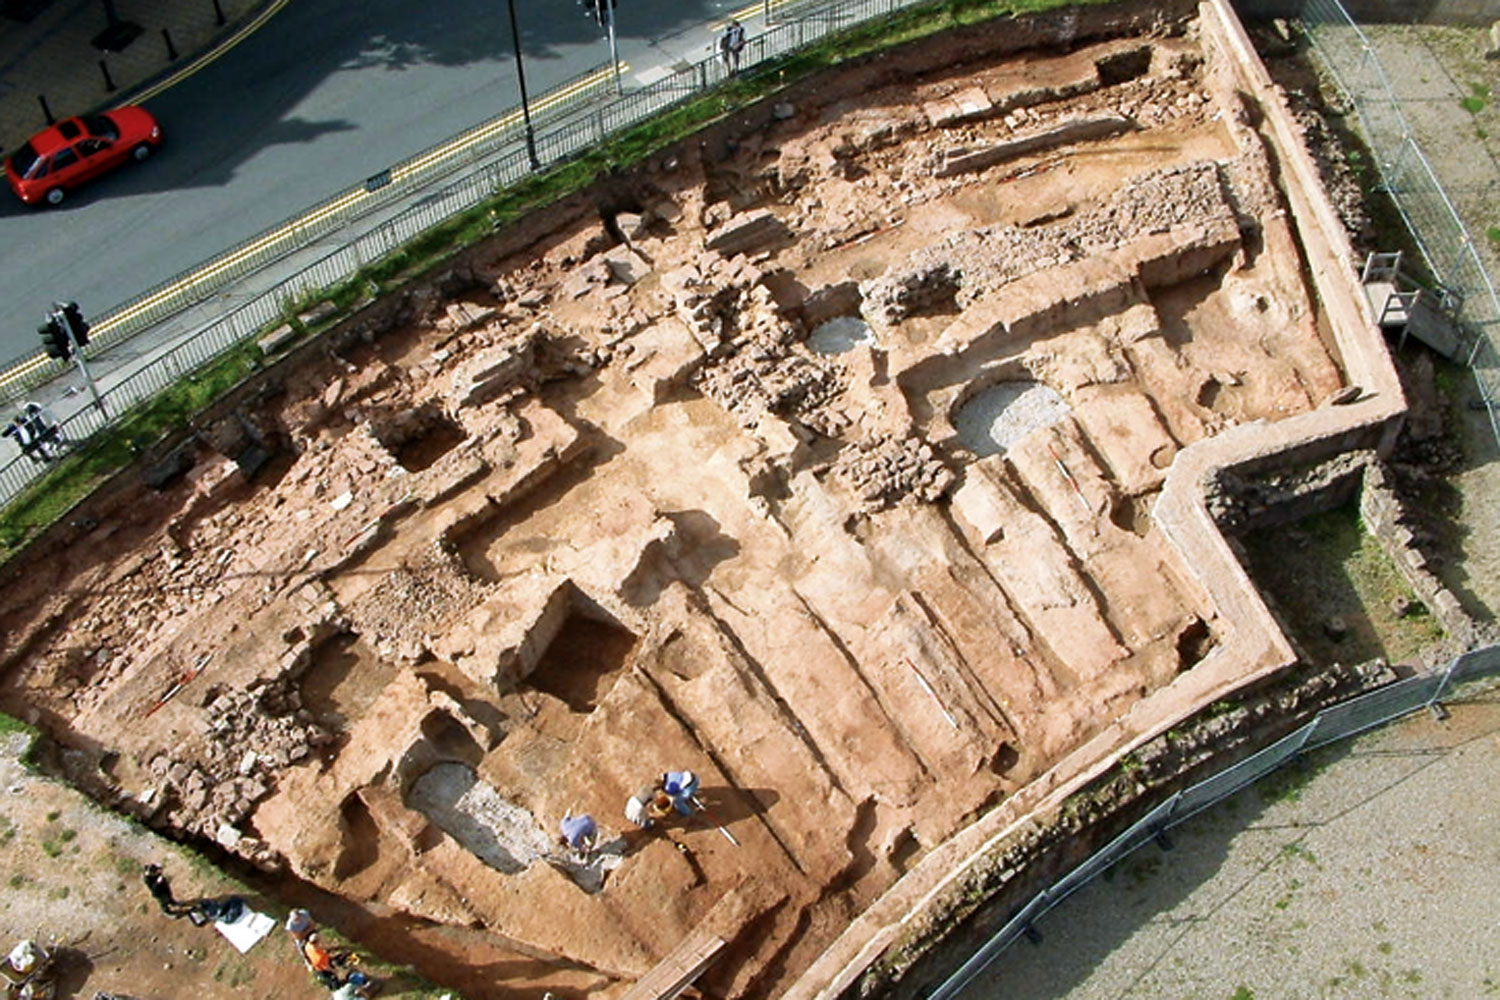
326, 94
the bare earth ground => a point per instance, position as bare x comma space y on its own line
73, 875
1373, 873
599, 506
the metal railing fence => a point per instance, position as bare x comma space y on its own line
576, 126
1335, 723
401, 180
1405, 171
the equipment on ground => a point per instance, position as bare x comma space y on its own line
27, 972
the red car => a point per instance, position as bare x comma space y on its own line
76, 150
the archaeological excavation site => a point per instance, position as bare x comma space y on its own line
856, 455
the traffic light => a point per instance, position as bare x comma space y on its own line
599, 10
75, 319
55, 337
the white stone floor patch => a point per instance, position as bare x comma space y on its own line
840, 334
995, 419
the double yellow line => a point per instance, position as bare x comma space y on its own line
750, 10
283, 234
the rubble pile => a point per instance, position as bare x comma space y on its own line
410, 604
249, 737
975, 262
885, 471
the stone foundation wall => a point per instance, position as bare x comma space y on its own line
1385, 517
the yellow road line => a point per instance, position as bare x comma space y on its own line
240, 34
591, 82
352, 197
23, 369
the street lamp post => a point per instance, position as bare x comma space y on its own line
515, 38
607, 11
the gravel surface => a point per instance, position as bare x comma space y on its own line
995, 419
1372, 872
840, 335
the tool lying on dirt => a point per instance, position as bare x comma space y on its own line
182, 682
1031, 171
931, 693
704, 810
1069, 477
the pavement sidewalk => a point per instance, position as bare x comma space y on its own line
51, 58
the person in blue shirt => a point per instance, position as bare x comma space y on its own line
682, 787
580, 833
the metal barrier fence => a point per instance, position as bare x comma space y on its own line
1328, 726
574, 125
187, 288
1446, 244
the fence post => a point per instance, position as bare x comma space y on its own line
1442, 688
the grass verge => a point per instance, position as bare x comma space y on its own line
107, 452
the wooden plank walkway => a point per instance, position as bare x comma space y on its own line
677, 971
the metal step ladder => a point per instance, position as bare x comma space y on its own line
1403, 307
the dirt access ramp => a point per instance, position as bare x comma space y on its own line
849, 455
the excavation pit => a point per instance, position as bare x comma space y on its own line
636, 518
418, 438
344, 678
583, 661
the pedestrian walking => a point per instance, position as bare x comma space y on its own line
731, 44
19, 430
161, 891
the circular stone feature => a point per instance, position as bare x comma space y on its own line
993, 420
840, 335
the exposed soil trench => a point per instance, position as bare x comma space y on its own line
614, 499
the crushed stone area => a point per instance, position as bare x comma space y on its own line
1368, 873
589, 506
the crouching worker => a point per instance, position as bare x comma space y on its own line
647, 806
682, 788
580, 834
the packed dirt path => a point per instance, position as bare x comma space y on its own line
1369, 872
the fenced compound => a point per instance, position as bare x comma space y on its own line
567, 121
1405, 171
1328, 726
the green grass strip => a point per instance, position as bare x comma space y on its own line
109, 451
